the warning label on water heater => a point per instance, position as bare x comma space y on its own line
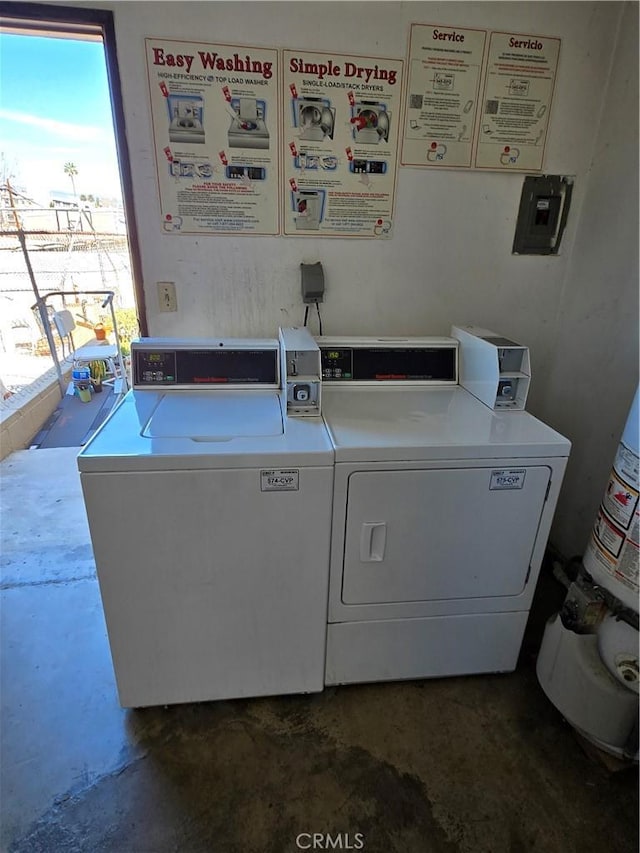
614, 547
511, 479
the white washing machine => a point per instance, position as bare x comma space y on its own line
209, 513
442, 508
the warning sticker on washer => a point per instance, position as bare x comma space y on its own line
280, 481
509, 479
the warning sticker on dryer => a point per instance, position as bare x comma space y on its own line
507, 479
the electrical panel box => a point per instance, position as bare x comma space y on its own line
542, 216
494, 369
302, 384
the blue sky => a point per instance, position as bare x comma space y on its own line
54, 108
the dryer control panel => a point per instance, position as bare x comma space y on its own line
374, 360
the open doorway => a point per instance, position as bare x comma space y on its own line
65, 184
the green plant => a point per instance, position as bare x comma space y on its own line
127, 321
97, 371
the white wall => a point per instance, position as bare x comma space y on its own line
450, 257
595, 357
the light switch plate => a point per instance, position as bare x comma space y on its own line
167, 296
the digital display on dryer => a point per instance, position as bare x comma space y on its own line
337, 363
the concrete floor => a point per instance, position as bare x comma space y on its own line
465, 764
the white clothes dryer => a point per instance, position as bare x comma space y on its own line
210, 513
442, 509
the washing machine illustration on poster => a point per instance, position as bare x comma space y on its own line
308, 207
315, 118
370, 122
248, 128
186, 114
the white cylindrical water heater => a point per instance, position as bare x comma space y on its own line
592, 676
611, 557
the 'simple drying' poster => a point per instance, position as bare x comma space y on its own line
341, 123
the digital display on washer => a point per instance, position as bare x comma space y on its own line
154, 367
200, 367
389, 364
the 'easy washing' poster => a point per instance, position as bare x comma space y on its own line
215, 125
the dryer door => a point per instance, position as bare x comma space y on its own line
433, 534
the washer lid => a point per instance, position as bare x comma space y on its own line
215, 417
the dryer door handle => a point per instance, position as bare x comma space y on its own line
373, 538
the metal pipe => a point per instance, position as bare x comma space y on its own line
109, 294
42, 309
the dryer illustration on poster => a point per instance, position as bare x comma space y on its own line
370, 121
367, 167
304, 160
315, 118
308, 206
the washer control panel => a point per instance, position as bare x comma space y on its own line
169, 364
